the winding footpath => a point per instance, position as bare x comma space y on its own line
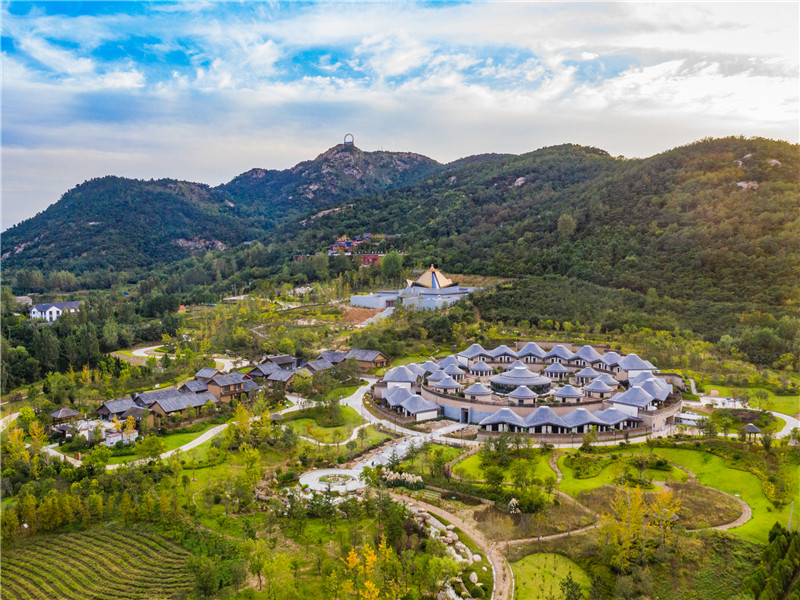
503, 575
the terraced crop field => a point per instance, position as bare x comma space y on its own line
95, 565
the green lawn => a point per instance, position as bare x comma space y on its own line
538, 576
573, 486
470, 467
711, 471
307, 426
342, 392
171, 441
788, 405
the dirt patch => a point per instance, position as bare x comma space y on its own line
356, 315
556, 518
701, 506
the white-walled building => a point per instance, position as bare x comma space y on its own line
52, 310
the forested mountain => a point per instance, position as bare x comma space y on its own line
116, 224
678, 222
713, 226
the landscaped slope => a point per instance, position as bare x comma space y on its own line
95, 564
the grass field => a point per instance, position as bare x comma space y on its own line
711, 471
307, 426
574, 486
470, 468
99, 563
788, 405
538, 576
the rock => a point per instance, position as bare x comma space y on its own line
476, 558
450, 527
473, 577
485, 569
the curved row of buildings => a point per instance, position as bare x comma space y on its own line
549, 389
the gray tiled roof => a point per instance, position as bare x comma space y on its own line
430, 366
333, 356
588, 353
363, 355
207, 373
437, 376
655, 389
581, 416
502, 350
263, 369
416, 404
283, 375
504, 415
544, 415
610, 358
174, 403
452, 369
480, 367
229, 379
477, 389
613, 416
634, 396
522, 393
568, 391
609, 379
147, 398
519, 376
449, 360
515, 364
587, 373
598, 386
531, 349
418, 369
447, 383
320, 364
632, 362
250, 386
281, 359
559, 352
401, 374
65, 413
179, 402
137, 412
396, 395
118, 406
474, 351
60, 305
196, 385
556, 368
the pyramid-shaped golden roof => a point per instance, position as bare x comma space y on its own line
433, 279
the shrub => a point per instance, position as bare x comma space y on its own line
477, 592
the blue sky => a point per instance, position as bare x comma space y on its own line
206, 90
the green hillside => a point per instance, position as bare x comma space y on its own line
693, 237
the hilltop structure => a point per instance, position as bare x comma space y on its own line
430, 291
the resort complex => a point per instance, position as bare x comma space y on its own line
551, 390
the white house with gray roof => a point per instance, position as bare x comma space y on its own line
50, 311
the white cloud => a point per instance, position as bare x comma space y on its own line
444, 80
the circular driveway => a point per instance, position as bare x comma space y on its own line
313, 480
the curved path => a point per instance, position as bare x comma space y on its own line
8, 420
224, 363
503, 575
